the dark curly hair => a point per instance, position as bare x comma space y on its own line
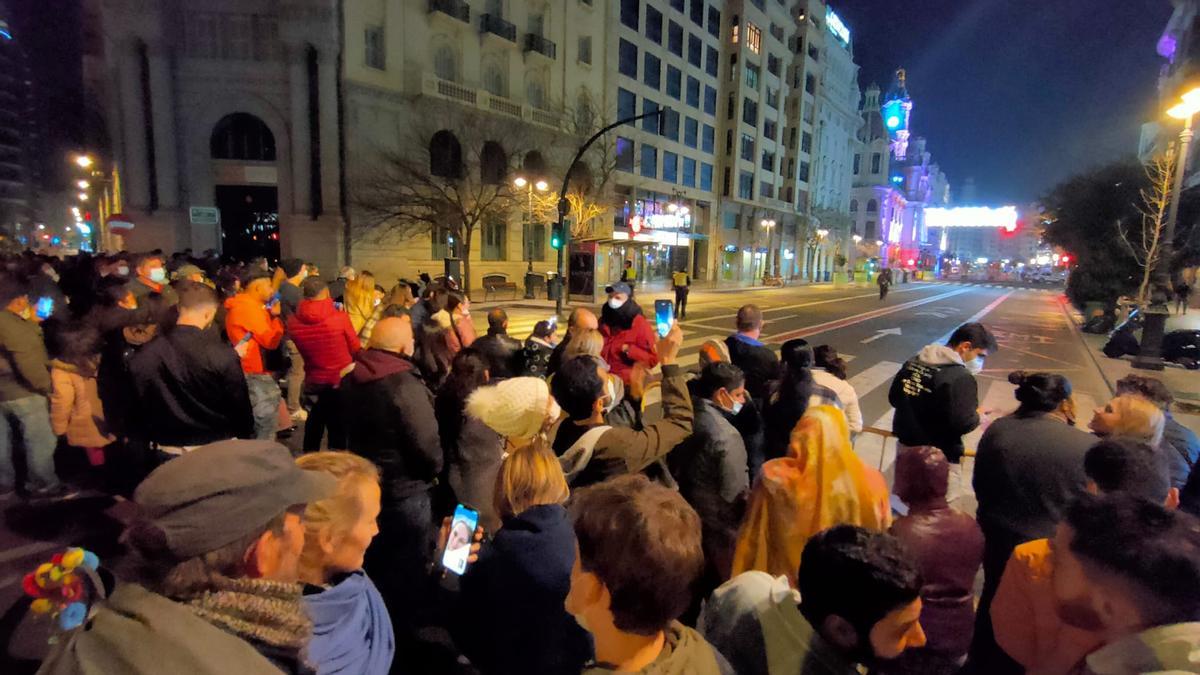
1039, 392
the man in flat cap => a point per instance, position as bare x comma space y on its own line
216, 591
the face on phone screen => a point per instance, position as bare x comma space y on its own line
664, 316
458, 544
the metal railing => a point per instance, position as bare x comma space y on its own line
491, 23
457, 9
539, 44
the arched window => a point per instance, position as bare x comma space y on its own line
493, 163
445, 155
872, 206
869, 230
533, 164
445, 63
493, 76
535, 91
853, 206
242, 136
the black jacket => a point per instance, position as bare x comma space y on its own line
936, 401
189, 389
758, 363
502, 354
389, 420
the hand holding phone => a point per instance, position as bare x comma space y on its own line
664, 316
459, 539
44, 308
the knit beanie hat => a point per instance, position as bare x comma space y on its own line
514, 408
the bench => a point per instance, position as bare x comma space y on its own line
495, 283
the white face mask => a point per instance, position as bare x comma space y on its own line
975, 365
615, 303
158, 275
123, 270
737, 407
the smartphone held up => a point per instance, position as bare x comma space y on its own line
664, 317
458, 543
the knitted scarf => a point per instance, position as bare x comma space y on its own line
257, 610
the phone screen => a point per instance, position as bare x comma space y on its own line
44, 308
664, 316
462, 533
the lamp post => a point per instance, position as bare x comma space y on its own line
769, 225
1150, 355
527, 226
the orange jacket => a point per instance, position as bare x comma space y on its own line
245, 314
1024, 620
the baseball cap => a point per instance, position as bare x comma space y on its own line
186, 270
619, 287
224, 491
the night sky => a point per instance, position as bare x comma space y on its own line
1019, 94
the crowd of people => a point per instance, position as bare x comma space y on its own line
734, 531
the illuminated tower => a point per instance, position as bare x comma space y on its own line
897, 107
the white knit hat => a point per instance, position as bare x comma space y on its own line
514, 408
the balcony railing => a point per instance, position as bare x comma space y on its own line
539, 44
490, 23
456, 9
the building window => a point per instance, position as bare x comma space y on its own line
670, 167
535, 247
711, 61
585, 49
445, 155
671, 125
773, 98
536, 21
707, 139
677, 5
697, 12
806, 142
651, 70
494, 236
876, 158
674, 82
753, 38
244, 136
706, 177
691, 132
649, 124
734, 27
766, 190
857, 164
626, 104
725, 184
693, 92
747, 147
768, 161
649, 161
374, 54
731, 106
627, 59
624, 154
493, 77
728, 142
440, 238
773, 64
810, 83
445, 63
745, 185
869, 230
714, 22
493, 163
675, 39
689, 172
749, 112
752, 72
803, 172
654, 19
710, 100
853, 206
769, 129
629, 12
535, 91
695, 50
872, 206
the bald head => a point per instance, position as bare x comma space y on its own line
393, 334
583, 319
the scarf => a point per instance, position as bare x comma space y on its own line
256, 610
352, 633
621, 319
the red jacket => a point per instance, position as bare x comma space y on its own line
325, 339
640, 338
246, 314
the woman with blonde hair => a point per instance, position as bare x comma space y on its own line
352, 632
512, 618
360, 300
586, 343
820, 483
1132, 417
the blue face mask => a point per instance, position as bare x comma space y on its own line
975, 365
158, 275
737, 407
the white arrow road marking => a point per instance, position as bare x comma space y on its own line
880, 333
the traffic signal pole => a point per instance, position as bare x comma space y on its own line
564, 205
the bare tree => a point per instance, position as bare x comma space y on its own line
427, 188
1146, 245
590, 193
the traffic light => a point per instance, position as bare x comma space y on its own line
556, 236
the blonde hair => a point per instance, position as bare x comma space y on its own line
1138, 418
530, 476
360, 293
339, 512
587, 343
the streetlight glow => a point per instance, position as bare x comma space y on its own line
857, 238
83, 196
879, 243
822, 233
83, 184
541, 185
520, 182
1188, 106
84, 161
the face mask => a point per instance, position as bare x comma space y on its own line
737, 407
611, 391
615, 303
158, 275
975, 365
123, 270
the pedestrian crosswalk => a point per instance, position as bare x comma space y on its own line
1038, 289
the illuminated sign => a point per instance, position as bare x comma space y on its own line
836, 26
893, 122
660, 221
973, 216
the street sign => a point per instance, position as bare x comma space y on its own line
205, 215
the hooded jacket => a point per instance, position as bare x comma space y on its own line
75, 407
136, 632
389, 419
626, 326
22, 358
936, 401
352, 632
325, 338
511, 618
684, 653
246, 314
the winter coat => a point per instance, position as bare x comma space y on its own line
142, 288
1182, 449
352, 632
502, 354
246, 314
684, 653
846, 396
758, 362
1028, 469
475, 456
325, 339
511, 618
389, 419
535, 357
936, 401
947, 545
75, 407
713, 459
626, 326
23, 361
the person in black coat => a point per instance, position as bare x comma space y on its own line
511, 617
501, 352
757, 361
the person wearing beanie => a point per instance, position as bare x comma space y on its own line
517, 408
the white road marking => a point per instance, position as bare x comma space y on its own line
882, 332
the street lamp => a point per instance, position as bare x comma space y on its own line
772, 267
1150, 355
857, 238
84, 161
530, 186
83, 184
83, 197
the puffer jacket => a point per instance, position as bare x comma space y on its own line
245, 314
948, 546
325, 339
75, 408
627, 326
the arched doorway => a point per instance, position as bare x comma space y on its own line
243, 150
